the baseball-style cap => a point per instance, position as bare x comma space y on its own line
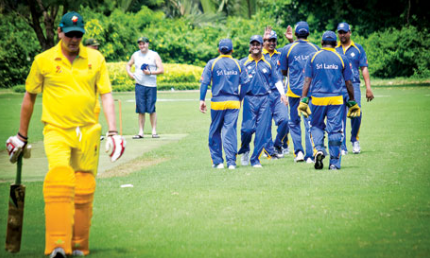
343, 26
225, 46
91, 42
257, 38
143, 39
302, 28
273, 35
72, 21
329, 36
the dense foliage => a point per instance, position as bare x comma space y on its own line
192, 38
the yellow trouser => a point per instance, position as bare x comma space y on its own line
69, 185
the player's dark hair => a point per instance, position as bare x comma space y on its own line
302, 36
331, 43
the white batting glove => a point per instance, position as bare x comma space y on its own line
115, 146
15, 147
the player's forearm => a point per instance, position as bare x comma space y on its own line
203, 90
109, 110
350, 90
366, 77
306, 86
26, 112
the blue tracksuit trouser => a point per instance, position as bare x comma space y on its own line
257, 117
355, 122
295, 129
280, 116
333, 113
223, 133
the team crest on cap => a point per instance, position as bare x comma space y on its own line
342, 25
75, 19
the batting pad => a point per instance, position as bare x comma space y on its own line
58, 191
84, 195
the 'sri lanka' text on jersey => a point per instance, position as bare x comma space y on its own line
329, 70
293, 59
225, 74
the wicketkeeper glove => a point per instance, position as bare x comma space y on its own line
354, 110
303, 108
115, 146
15, 147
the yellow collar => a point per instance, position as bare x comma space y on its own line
265, 51
250, 59
329, 49
228, 56
83, 53
350, 45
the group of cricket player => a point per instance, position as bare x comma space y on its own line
298, 82
322, 88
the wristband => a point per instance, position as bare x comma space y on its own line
305, 100
22, 136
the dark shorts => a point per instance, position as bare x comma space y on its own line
145, 99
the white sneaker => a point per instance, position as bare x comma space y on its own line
58, 253
264, 155
343, 152
332, 167
244, 160
356, 147
218, 166
78, 253
299, 157
285, 151
309, 160
279, 152
258, 165
231, 167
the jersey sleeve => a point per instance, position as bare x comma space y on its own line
275, 74
205, 80
308, 67
103, 82
34, 81
347, 70
283, 59
244, 76
363, 58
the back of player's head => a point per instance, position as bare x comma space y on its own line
302, 29
329, 38
225, 46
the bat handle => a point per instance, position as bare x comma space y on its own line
18, 170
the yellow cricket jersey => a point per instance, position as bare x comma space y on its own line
69, 90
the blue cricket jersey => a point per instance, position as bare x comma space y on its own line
329, 70
293, 59
225, 74
262, 75
274, 61
357, 57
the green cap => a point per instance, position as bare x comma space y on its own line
91, 42
72, 21
143, 39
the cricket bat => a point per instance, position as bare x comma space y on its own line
16, 212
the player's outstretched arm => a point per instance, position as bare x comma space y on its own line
115, 144
18, 143
366, 76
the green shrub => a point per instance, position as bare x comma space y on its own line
19, 88
177, 76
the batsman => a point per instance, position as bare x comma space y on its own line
69, 76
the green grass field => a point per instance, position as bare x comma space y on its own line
377, 205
